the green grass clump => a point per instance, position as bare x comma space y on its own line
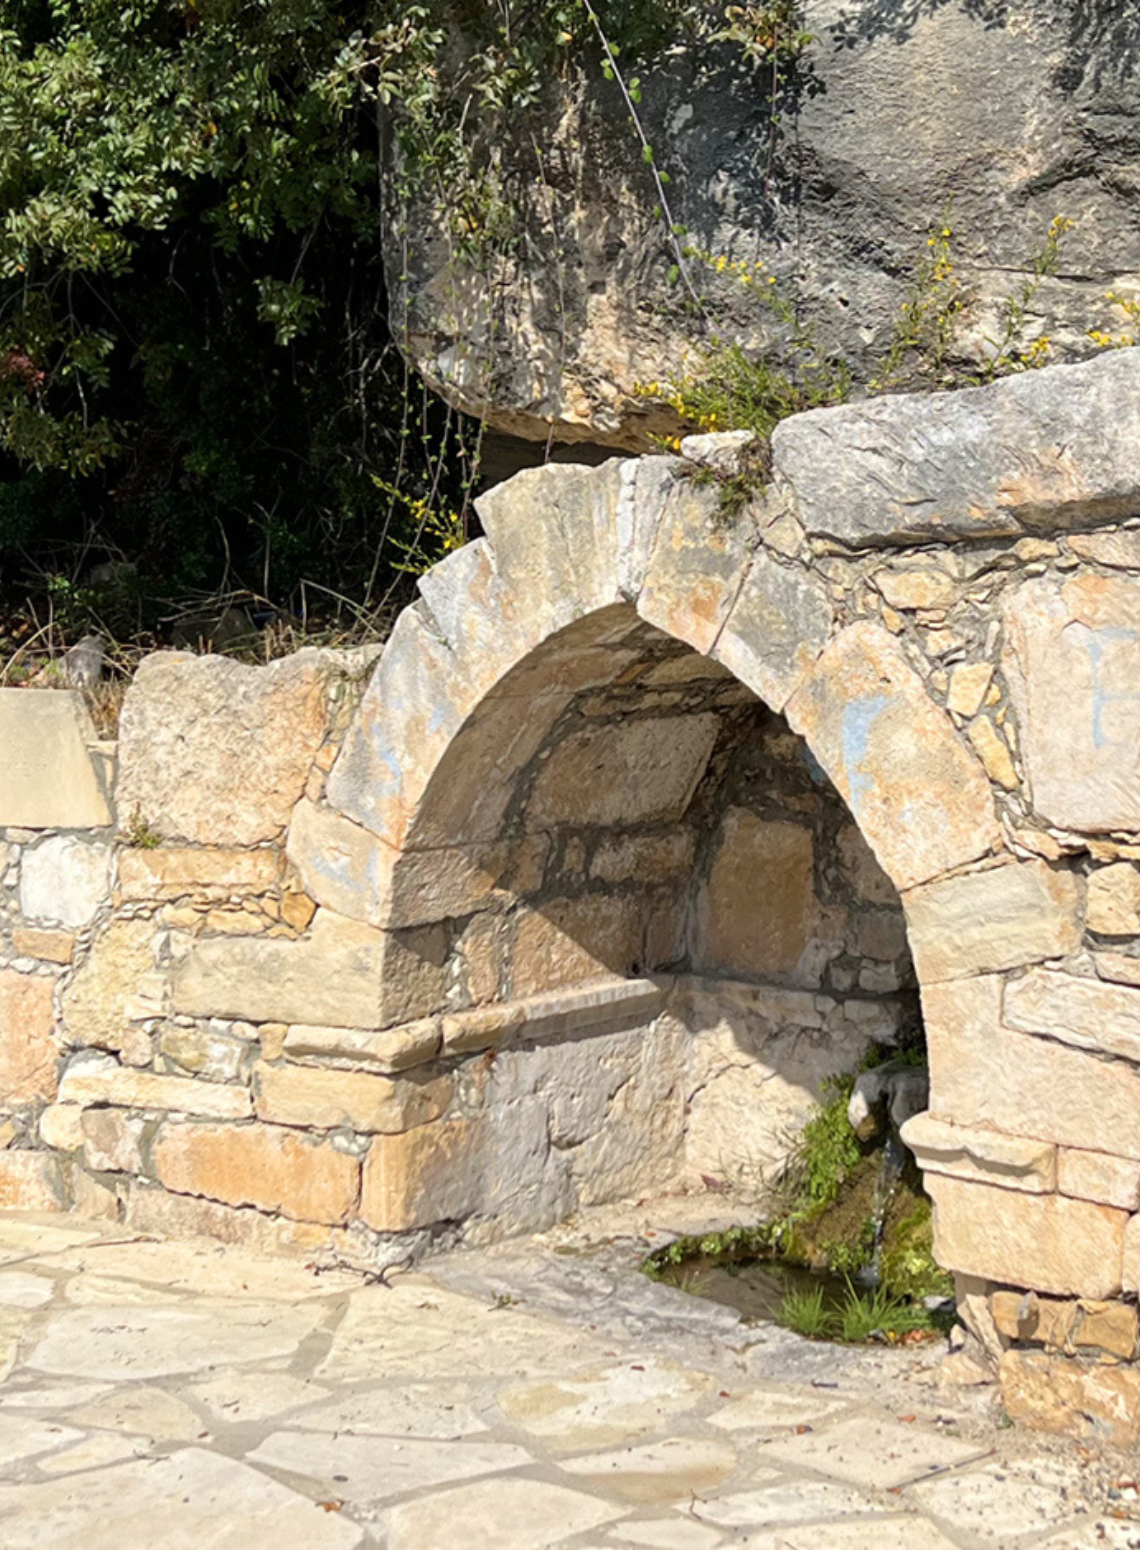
807, 1314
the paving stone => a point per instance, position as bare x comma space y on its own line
18, 1289
907, 1533
194, 1499
673, 1469
608, 1406
663, 1534
93, 1453
149, 1411
994, 1504
774, 1410
442, 1409
21, 1439
256, 1395
870, 1452
149, 1342
373, 1468
52, 1397
789, 1501
498, 1515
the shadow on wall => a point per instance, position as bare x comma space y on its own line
637, 813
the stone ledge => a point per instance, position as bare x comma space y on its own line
985, 1156
93, 1084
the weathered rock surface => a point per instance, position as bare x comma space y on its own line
64, 879
996, 919
900, 108
28, 1055
1076, 1398
216, 752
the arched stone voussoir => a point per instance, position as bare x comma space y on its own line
418, 698
776, 630
916, 791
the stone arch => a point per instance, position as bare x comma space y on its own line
909, 592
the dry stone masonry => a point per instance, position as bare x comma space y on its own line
644, 822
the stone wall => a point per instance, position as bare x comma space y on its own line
583, 886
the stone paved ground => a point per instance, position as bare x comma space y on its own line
537, 1394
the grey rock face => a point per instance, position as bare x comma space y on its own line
1017, 110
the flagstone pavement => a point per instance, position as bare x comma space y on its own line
537, 1394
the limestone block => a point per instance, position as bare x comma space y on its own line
419, 697
215, 1057
1084, 1012
1042, 451
1113, 1181
1106, 1326
98, 1002
985, 1156
647, 484
636, 771
968, 684
1072, 660
51, 780
217, 752
32, 1181
1120, 968
1114, 900
388, 1049
1047, 1242
178, 871
1119, 551
1132, 1256
777, 629
64, 879
150, 1209
988, 1076
861, 870
999, 918
914, 588
758, 911
61, 1127
51, 946
259, 1165
644, 858
696, 567
569, 940
920, 797
93, 1082
343, 974
431, 1174
323, 1099
356, 873
113, 1142
1072, 1397
28, 1055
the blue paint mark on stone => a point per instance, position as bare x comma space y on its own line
859, 718
1101, 697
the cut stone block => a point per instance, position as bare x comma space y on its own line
28, 1055
98, 1003
758, 910
32, 1181
64, 879
388, 1049
51, 780
50, 946
1046, 1242
918, 794
696, 567
258, 1165
982, 1074
1084, 1012
968, 684
321, 1099
344, 974
986, 1156
1075, 1398
1113, 907
1072, 660
431, 1174
1113, 1181
90, 1083
1106, 1326
180, 871
996, 919
778, 626
1040, 451
218, 752
637, 771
